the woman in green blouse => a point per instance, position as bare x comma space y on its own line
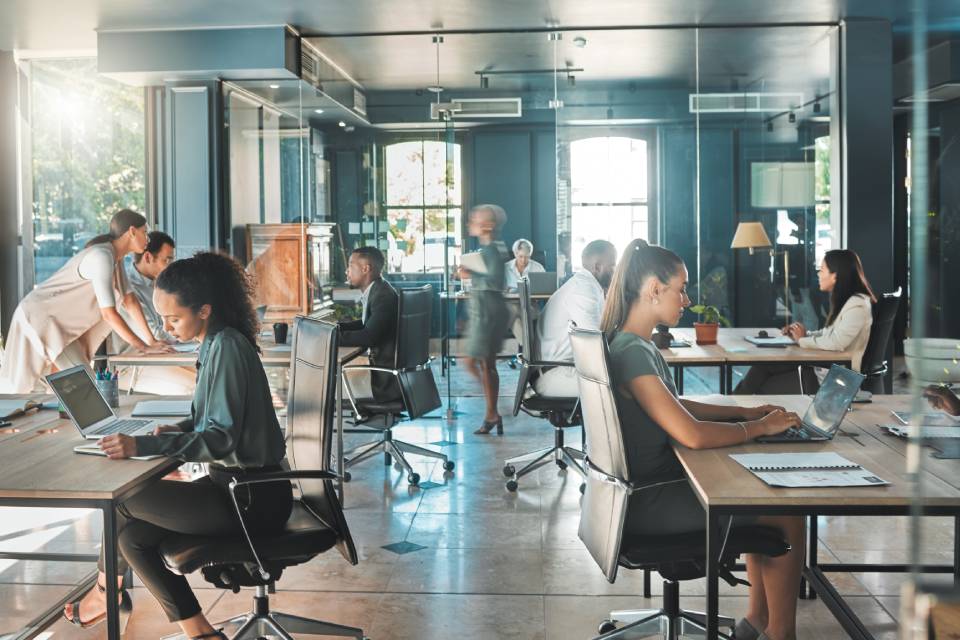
649, 288
233, 427
487, 310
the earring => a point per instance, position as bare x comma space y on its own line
656, 301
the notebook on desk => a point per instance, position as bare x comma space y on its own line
824, 469
775, 342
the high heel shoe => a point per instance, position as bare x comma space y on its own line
218, 634
126, 605
489, 426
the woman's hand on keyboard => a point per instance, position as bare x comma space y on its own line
757, 413
118, 446
779, 421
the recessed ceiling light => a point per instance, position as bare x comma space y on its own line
274, 86
342, 123
318, 110
580, 41
435, 88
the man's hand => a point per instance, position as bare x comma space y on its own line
118, 446
167, 428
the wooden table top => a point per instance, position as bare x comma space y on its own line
273, 355
732, 347
39, 462
720, 481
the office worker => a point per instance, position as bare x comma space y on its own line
487, 312
847, 328
376, 330
63, 321
649, 288
579, 300
233, 428
521, 264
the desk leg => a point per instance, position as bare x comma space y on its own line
713, 576
812, 560
339, 406
956, 550
678, 378
723, 379
110, 568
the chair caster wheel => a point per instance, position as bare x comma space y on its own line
448, 465
509, 471
512, 485
607, 626
562, 465
347, 476
583, 488
413, 479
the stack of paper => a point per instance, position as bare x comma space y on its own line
825, 469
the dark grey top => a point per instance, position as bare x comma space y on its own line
649, 451
233, 422
494, 258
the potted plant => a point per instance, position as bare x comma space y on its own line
707, 328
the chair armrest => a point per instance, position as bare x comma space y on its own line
543, 364
276, 476
630, 487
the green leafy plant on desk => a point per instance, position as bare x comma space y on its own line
709, 325
344, 312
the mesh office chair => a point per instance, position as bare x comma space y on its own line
560, 412
317, 523
418, 389
874, 364
604, 508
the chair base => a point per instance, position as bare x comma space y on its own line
261, 623
562, 455
393, 449
670, 623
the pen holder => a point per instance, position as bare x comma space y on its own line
110, 390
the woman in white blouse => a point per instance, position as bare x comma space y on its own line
521, 264
66, 317
847, 328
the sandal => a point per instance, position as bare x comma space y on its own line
218, 634
126, 605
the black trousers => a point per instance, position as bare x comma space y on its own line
201, 508
777, 379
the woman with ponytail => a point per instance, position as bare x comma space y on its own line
63, 321
649, 287
233, 428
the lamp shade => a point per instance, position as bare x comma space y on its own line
750, 235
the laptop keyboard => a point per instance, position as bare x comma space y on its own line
795, 434
123, 426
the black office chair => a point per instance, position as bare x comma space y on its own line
874, 364
560, 412
317, 523
604, 508
418, 389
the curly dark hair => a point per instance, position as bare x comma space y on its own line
217, 280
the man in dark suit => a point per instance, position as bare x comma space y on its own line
377, 330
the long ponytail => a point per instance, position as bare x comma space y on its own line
120, 223
638, 262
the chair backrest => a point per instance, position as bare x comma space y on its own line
604, 506
310, 414
529, 344
884, 317
417, 384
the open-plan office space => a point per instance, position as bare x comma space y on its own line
527, 320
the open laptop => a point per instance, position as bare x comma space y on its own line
542, 284
88, 410
826, 412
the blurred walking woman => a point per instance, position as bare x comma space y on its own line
66, 317
233, 427
487, 310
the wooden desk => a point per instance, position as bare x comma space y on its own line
724, 489
273, 355
41, 470
733, 350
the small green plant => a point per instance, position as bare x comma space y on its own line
710, 314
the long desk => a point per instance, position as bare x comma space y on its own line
38, 468
724, 488
733, 350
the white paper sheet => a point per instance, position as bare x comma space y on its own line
793, 461
932, 418
152, 408
778, 341
858, 477
923, 431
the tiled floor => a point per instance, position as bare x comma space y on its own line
493, 564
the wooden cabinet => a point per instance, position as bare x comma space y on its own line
290, 264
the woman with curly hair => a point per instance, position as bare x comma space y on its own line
233, 427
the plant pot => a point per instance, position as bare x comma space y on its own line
706, 332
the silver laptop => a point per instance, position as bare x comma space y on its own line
826, 412
88, 410
542, 284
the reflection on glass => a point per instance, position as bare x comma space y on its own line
87, 145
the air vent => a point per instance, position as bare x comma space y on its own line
322, 73
468, 108
743, 102
941, 93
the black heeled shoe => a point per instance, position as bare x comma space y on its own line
489, 426
218, 634
126, 606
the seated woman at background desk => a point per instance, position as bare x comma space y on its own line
649, 287
233, 427
521, 264
847, 329
63, 321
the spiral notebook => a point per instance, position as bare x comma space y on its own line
826, 469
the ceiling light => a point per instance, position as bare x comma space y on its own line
435, 88
571, 80
770, 126
580, 41
318, 111
484, 82
274, 86
792, 117
816, 107
341, 124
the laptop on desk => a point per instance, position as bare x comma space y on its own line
824, 415
88, 411
542, 283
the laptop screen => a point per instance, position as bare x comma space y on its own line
830, 405
80, 396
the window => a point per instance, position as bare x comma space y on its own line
821, 191
423, 203
87, 149
609, 192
